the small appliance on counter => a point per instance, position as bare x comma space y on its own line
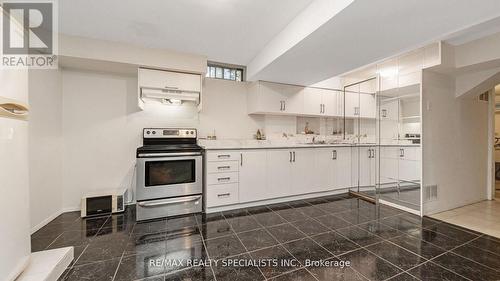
101, 202
169, 173
414, 138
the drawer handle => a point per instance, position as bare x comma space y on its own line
223, 156
223, 167
168, 202
224, 179
224, 195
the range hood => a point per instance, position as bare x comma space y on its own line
169, 96
168, 87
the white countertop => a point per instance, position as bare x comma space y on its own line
275, 144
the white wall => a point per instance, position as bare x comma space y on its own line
45, 146
455, 144
102, 126
225, 111
14, 180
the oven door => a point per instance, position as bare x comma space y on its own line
175, 174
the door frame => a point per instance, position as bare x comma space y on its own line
490, 181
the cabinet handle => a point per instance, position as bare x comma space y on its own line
284, 105
223, 167
290, 157
241, 159
294, 156
224, 179
223, 194
223, 156
384, 112
281, 105
320, 108
402, 152
334, 155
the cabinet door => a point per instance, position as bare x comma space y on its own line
303, 179
313, 101
340, 103
389, 165
329, 101
343, 168
253, 176
278, 173
368, 106
351, 104
324, 169
293, 98
365, 166
271, 97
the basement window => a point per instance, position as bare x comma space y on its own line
226, 72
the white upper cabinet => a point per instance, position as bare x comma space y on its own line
313, 101
275, 98
351, 104
368, 106
322, 102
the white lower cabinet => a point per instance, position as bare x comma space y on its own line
302, 171
325, 168
409, 164
278, 172
253, 176
343, 168
363, 166
263, 174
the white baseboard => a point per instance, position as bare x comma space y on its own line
403, 208
52, 217
46, 221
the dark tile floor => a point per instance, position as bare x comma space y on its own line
275, 242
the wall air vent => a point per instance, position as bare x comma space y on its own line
430, 193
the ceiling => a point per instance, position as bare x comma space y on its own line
367, 31
299, 42
229, 31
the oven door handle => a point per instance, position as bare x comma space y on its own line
169, 154
169, 202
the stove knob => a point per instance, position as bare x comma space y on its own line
192, 132
154, 132
148, 132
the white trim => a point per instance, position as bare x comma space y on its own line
276, 200
406, 209
46, 221
490, 180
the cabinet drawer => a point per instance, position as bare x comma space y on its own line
223, 156
222, 194
223, 167
221, 178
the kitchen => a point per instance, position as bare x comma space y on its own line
157, 152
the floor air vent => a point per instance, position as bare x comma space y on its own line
430, 193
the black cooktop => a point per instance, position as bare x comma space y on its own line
169, 148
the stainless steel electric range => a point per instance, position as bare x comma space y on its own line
169, 174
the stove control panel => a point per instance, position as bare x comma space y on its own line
165, 133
